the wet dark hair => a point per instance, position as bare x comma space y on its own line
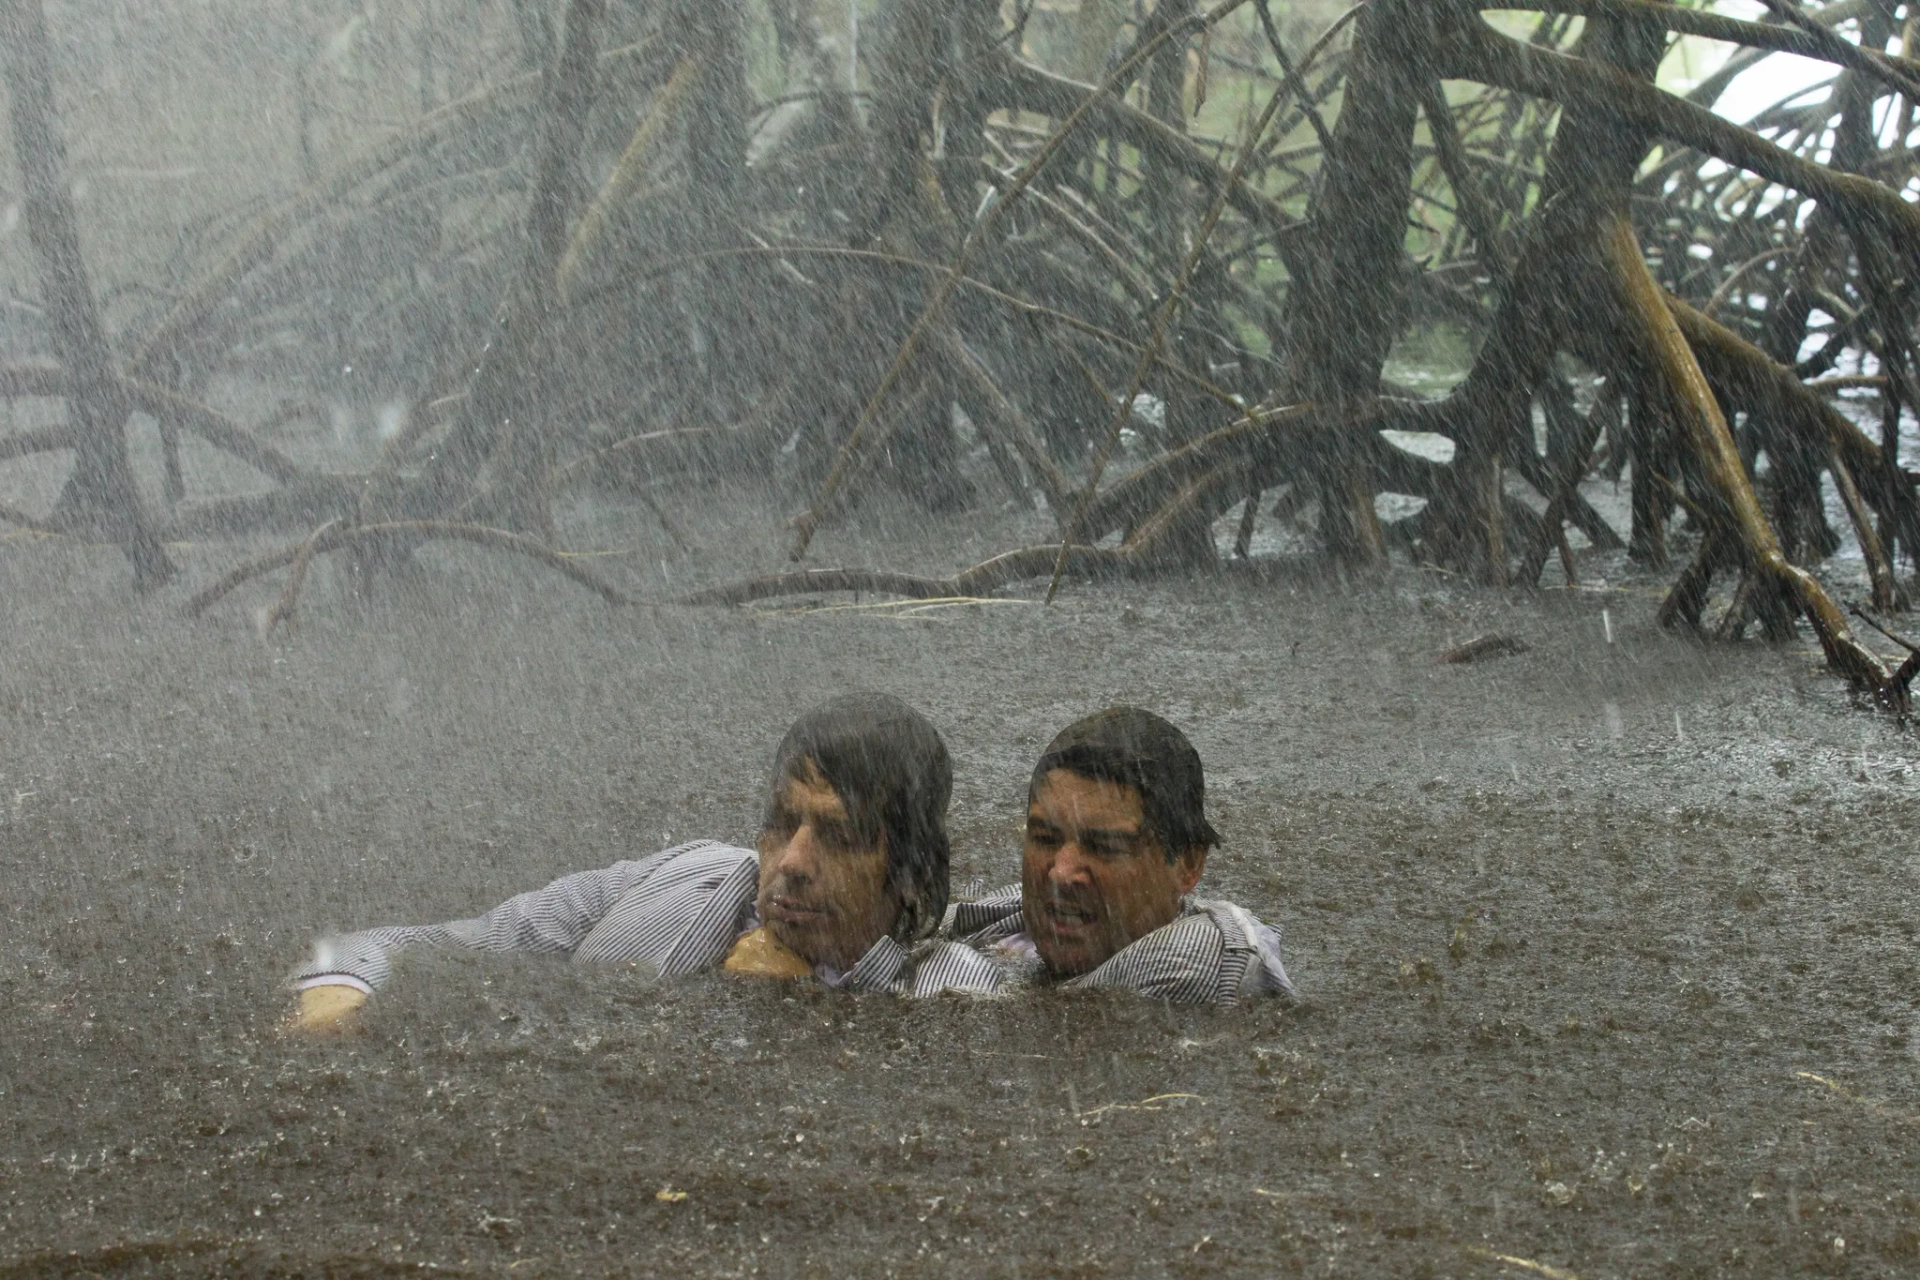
1138, 749
888, 765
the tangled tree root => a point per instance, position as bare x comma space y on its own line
332, 538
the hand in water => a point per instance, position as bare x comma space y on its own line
328, 1009
758, 955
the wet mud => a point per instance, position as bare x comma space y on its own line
1606, 948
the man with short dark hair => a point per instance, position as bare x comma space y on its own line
849, 879
1116, 840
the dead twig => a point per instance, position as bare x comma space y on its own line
285, 608
1548, 1270
1880, 1109
822, 581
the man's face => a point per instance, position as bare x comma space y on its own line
823, 891
1093, 879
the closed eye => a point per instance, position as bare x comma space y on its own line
781, 824
836, 837
1045, 836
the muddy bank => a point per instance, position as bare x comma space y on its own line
1608, 947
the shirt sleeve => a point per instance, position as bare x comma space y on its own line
549, 920
941, 966
1252, 965
965, 919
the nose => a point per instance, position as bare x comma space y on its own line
798, 862
1070, 866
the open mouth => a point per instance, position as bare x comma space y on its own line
1065, 918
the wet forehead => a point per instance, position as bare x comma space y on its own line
1071, 800
811, 794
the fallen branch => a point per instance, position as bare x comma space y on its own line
1491, 645
1705, 428
21, 444
979, 581
807, 582
334, 539
25, 380
216, 429
25, 521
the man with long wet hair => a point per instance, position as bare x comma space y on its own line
847, 883
1116, 841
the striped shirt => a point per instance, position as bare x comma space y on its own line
675, 913
1214, 953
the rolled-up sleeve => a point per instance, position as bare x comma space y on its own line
547, 921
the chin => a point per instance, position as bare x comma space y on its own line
1066, 962
801, 943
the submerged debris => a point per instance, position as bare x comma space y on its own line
1491, 645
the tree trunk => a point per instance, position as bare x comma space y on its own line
1350, 277
1799, 510
494, 466
100, 496
1547, 304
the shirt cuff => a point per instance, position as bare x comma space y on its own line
334, 980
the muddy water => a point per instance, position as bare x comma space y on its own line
1607, 948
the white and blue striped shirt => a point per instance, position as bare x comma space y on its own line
676, 913
1213, 953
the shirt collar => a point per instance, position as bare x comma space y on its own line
883, 968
